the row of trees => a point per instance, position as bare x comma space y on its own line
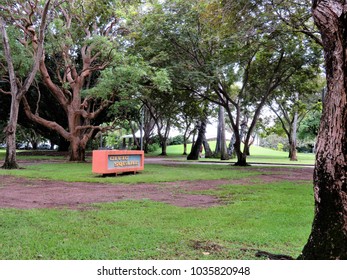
100, 61
167, 55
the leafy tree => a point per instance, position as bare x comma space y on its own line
292, 103
164, 109
29, 20
190, 112
221, 58
309, 126
86, 44
167, 103
296, 15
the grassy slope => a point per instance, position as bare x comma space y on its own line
258, 154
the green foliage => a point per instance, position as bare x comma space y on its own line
2, 134
280, 147
177, 140
274, 141
309, 126
153, 147
128, 77
22, 57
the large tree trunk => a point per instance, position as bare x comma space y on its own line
77, 150
194, 154
241, 156
164, 147
292, 151
241, 159
328, 239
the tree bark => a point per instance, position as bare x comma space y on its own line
292, 151
328, 238
19, 88
293, 130
241, 159
10, 132
185, 148
217, 150
241, 155
164, 148
208, 151
194, 154
221, 127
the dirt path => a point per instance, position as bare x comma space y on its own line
16, 192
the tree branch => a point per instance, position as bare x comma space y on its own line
49, 124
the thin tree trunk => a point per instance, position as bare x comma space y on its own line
223, 143
293, 155
18, 89
10, 132
208, 151
231, 149
185, 148
219, 129
246, 150
328, 238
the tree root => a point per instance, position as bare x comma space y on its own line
270, 256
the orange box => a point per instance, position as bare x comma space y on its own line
117, 161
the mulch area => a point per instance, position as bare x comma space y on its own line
23, 193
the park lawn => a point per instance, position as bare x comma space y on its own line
36, 155
258, 155
269, 217
274, 217
153, 173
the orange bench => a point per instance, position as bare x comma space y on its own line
117, 161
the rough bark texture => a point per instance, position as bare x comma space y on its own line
328, 239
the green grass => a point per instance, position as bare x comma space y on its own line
258, 155
274, 217
264, 155
270, 217
82, 172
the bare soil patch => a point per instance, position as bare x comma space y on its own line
23, 193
